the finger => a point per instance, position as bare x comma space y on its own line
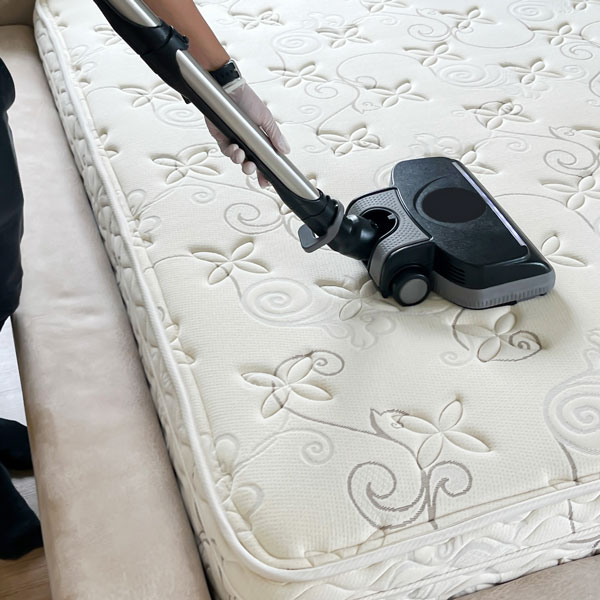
249, 168
239, 156
262, 180
215, 132
235, 153
229, 149
222, 142
280, 143
272, 130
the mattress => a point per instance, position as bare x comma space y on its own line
329, 444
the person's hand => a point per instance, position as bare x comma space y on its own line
243, 95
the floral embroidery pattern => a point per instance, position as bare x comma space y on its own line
443, 431
491, 336
557, 37
534, 74
375, 6
551, 250
357, 299
464, 22
290, 303
111, 151
288, 382
429, 145
345, 143
224, 265
391, 96
422, 443
192, 161
430, 57
584, 4
572, 409
267, 17
306, 74
143, 96
575, 194
493, 115
111, 38
338, 38
141, 226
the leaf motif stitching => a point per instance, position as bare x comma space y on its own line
224, 265
287, 383
191, 162
441, 432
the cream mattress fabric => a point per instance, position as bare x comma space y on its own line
329, 444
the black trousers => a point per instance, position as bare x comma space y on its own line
11, 206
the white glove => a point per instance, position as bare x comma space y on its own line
243, 95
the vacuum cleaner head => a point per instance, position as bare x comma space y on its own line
440, 229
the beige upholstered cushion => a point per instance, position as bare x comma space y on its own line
16, 12
113, 521
577, 580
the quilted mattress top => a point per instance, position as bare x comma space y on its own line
328, 424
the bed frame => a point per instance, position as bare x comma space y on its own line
113, 520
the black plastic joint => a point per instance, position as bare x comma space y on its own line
311, 242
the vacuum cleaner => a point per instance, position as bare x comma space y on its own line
435, 228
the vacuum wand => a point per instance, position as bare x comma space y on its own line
165, 51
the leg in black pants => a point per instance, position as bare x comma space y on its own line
11, 206
19, 527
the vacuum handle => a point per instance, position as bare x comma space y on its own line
166, 52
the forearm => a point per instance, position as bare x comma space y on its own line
185, 17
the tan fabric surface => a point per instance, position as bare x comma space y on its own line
16, 12
577, 580
113, 520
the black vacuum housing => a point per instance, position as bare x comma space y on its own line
441, 229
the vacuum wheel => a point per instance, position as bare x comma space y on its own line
410, 287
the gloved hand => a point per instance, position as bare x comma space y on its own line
243, 95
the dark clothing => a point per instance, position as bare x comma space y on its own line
20, 530
11, 206
15, 452
19, 526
